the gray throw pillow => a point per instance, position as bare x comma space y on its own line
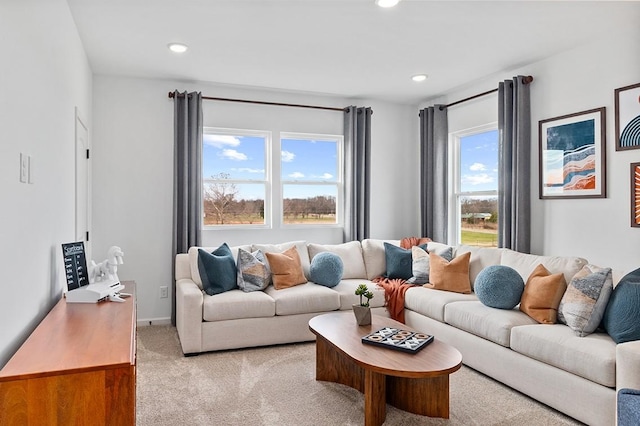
253, 271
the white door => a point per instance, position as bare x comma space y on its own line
82, 182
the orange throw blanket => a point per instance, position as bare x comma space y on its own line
394, 289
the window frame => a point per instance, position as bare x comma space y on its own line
455, 182
267, 181
339, 182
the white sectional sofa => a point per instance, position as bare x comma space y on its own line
578, 376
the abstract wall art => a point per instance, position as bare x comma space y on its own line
627, 100
572, 155
635, 195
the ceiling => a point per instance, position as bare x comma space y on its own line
349, 48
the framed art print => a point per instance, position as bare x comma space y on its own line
627, 100
635, 195
572, 155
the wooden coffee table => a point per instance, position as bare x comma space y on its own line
417, 383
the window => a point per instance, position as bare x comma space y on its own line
475, 183
311, 178
235, 177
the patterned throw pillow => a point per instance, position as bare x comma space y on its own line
420, 263
542, 294
217, 270
286, 268
583, 304
253, 271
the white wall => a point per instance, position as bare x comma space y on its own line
582, 79
133, 166
45, 75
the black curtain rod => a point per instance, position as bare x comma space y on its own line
246, 101
526, 80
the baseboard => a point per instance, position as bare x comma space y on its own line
153, 321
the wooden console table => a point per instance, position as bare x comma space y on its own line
77, 367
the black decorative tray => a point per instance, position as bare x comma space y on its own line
398, 339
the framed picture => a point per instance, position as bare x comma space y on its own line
635, 195
572, 155
628, 117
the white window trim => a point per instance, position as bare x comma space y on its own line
455, 178
339, 181
267, 177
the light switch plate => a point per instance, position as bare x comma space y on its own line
24, 168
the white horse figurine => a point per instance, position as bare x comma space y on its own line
107, 270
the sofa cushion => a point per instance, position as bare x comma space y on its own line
526, 263
217, 270
499, 286
253, 271
301, 246
303, 299
622, 316
398, 261
193, 259
449, 276
374, 256
236, 304
489, 323
420, 262
481, 257
350, 253
326, 269
583, 304
431, 303
592, 357
542, 294
286, 270
347, 288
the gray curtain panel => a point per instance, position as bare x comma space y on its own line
357, 165
514, 175
434, 133
187, 176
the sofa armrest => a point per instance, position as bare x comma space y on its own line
189, 309
628, 365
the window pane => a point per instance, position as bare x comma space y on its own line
228, 203
479, 162
309, 204
309, 160
233, 156
479, 221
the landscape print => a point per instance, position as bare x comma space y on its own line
572, 150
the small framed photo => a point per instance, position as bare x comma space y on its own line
635, 195
572, 155
627, 100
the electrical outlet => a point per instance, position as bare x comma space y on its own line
164, 292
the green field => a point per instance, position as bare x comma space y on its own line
485, 239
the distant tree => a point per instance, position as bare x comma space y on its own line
219, 197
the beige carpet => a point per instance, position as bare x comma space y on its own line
276, 386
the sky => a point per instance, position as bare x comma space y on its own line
479, 162
243, 157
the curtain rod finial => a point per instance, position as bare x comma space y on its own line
172, 95
527, 79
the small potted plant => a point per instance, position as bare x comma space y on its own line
362, 311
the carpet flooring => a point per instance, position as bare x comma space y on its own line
276, 386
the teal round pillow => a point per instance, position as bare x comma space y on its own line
499, 286
622, 316
326, 269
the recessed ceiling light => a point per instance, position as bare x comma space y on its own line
177, 47
419, 77
387, 3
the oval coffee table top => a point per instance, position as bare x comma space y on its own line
341, 330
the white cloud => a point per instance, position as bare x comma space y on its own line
477, 167
232, 154
287, 156
477, 179
324, 176
296, 175
248, 170
220, 141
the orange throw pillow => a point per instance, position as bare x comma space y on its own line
449, 276
286, 268
542, 295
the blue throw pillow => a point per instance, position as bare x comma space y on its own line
326, 269
218, 270
399, 261
499, 286
622, 316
